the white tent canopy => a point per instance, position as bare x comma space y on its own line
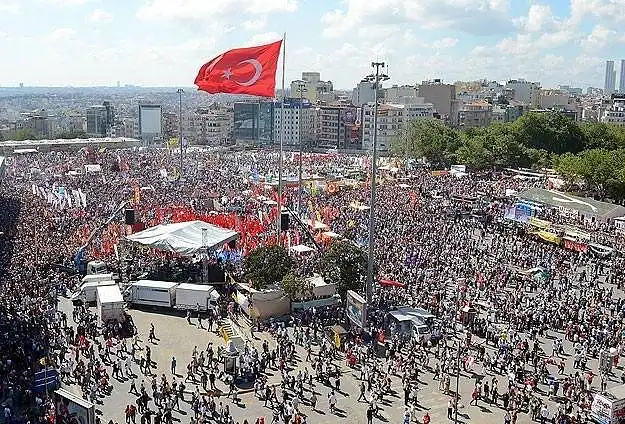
185, 238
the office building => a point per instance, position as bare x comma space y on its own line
475, 114
443, 97
338, 127
615, 112
97, 122
150, 122
208, 126
314, 88
392, 120
74, 122
525, 92
364, 93
400, 94
296, 128
253, 122
610, 78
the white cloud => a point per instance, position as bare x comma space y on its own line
60, 34
469, 16
201, 10
9, 6
537, 17
255, 24
598, 38
100, 15
444, 43
610, 10
69, 2
264, 38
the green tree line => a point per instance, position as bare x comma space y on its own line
589, 154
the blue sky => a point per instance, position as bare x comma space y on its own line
164, 42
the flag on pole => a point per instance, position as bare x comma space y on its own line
249, 70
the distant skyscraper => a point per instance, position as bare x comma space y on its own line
610, 77
622, 80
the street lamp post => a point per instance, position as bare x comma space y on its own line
180, 91
301, 87
376, 79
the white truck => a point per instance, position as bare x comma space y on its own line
87, 292
609, 407
196, 296
110, 304
152, 293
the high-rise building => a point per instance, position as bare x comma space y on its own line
97, 122
622, 79
443, 97
392, 119
296, 128
339, 127
150, 122
610, 78
253, 122
364, 93
314, 88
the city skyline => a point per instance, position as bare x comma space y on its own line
163, 43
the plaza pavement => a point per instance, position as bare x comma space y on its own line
177, 339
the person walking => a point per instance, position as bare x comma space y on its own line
332, 401
173, 365
362, 392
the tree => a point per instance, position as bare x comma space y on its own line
551, 131
345, 265
430, 139
23, 134
72, 134
600, 135
295, 286
602, 170
267, 265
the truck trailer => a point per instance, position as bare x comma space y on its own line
87, 292
152, 293
110, 304
196, 297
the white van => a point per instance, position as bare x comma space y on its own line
88, 291
420, 330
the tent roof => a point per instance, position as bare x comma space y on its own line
185, 238
583, 205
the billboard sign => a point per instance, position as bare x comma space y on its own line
356, 309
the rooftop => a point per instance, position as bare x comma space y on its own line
582, 205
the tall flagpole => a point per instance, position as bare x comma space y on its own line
279, 224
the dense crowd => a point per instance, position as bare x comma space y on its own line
442, 237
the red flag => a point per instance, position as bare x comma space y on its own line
250, 70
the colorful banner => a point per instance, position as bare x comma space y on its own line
575, 245
538, 223
550, 237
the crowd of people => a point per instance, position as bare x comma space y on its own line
443, 238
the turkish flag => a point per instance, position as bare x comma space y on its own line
249, 70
